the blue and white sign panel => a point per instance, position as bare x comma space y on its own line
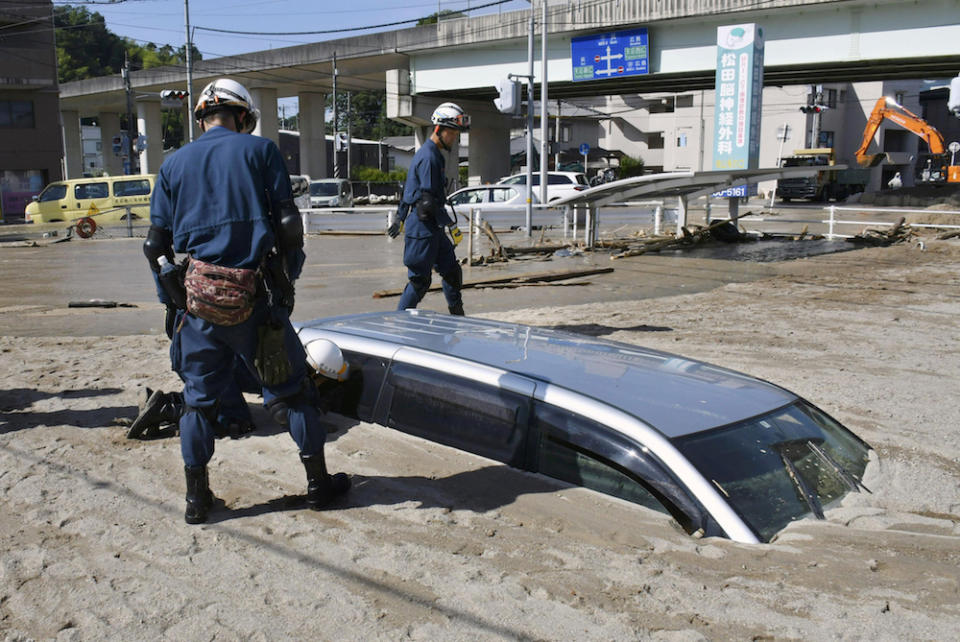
610, 55
739, 91
584, 148
741, 191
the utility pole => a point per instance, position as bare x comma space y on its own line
336, 164
556, 139
349, 134
189, 57
530, 108
133, 166
544, 109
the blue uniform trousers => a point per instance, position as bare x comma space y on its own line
421, 254
205, 355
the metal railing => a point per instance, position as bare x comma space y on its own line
832, 222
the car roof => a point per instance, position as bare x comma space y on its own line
674, 395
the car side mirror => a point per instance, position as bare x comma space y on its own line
36, 198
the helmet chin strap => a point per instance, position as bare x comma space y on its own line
440, 138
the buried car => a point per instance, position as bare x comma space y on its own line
724, 453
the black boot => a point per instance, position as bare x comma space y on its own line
199, 497
160, 409
456, 310
322, 488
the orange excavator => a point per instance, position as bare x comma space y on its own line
889, 109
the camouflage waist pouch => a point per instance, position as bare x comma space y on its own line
220, 295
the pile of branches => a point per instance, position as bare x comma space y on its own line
899, 233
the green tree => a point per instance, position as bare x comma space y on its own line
630, 166
367, 115
446, 14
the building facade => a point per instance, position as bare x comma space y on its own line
31, 142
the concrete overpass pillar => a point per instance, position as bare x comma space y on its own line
489, 144
109, 127
149, 124
265, 99
313, 141
72, 145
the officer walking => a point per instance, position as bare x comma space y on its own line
426, 245
226, 200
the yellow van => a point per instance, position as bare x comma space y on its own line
106, 199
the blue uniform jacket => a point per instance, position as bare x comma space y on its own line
426, 174
214, 195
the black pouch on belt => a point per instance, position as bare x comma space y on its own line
427, 207
271, 360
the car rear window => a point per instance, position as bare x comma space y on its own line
779, 467
91, 190
131, 188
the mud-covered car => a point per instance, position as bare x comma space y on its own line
724, 453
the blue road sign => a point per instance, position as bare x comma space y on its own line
610, 55
584, 148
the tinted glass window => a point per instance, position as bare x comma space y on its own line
16, 113
571, 449
457, 412
53, 193
516, 180
90, 190
502, 194
469, 196
781, 466
363, 387
131, 188
558, 179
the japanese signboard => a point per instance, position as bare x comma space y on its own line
610, 55
739, 91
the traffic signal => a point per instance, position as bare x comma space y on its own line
172, 97
509, 100
813, 109
141, 142
116, 144
340, 141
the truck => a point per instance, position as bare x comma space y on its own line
828, 184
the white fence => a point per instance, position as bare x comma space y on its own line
833, 222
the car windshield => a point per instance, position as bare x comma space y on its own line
323, 189
53, 193
781, 466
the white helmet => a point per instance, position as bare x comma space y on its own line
450, 115
325, 357
223, 93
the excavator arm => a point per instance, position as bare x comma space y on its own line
886, 108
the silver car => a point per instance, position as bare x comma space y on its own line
724, 453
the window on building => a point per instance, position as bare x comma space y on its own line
655, 140
829, 98
682, 139
684, 101
899, 96
564, 134
17, 114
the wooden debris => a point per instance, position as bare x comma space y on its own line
519, 279
687, 237
949, 235
881, 238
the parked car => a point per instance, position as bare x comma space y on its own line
490, 197
331, 192
559, 184
723, 453
106, 199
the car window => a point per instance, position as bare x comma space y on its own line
131, 188
558, 179
561, 454
502, 194
469, 196
780, 466
582, 180
366, 378
53, 193
516, 180
90, 190
323, 189
457, 412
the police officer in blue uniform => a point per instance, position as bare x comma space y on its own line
426, 245
226, 200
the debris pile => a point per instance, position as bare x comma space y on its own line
898, 233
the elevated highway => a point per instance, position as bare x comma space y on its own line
807, 41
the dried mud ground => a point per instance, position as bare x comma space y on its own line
436, 544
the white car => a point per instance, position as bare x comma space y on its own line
331, 192
559, 184
490, 197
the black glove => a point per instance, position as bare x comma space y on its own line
170, 321
395, 228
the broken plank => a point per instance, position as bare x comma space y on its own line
553, 275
